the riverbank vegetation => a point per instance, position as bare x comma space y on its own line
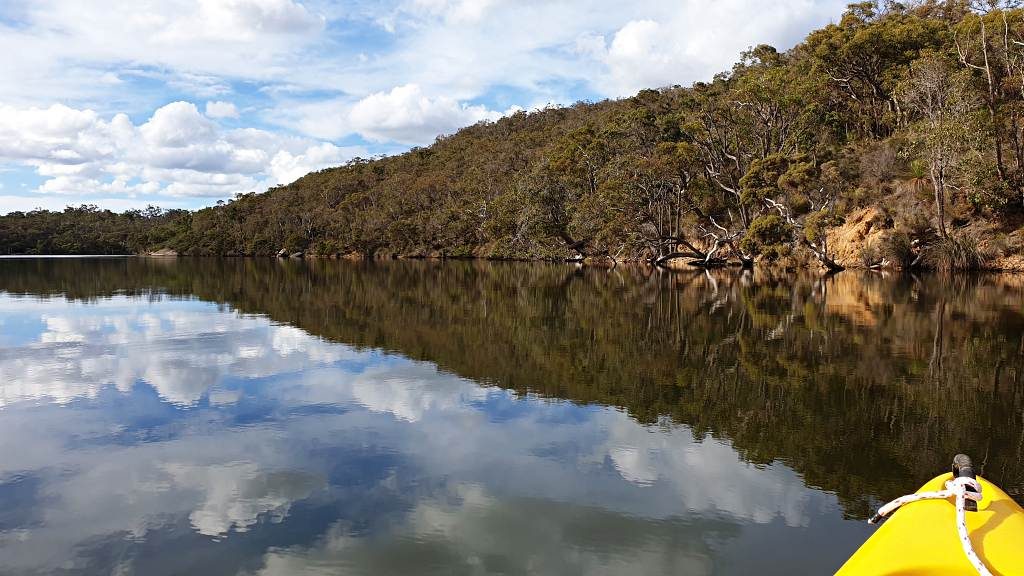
89, 230
891, 138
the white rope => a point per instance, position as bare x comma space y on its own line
958, 488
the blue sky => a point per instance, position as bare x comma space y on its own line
180, 103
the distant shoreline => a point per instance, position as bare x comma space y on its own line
679, 265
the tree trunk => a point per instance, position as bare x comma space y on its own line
992, 103
1018, 156
708, 260
825, 259
660, 261
939, 184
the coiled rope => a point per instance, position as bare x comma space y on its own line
963, 489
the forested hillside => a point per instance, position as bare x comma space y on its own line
912, 111
89, 230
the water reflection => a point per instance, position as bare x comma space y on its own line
472, 419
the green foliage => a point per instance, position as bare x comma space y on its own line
956, 252
775, 151
818, 223
88, 230
898, 249
762, 180
768, 236
918, 169
865, 55
297, 241
798, 177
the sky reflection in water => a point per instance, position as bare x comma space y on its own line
154, 436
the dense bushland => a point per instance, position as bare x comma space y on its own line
917, 108
89, 230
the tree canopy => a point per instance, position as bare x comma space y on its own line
916, 107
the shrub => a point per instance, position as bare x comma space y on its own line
768, 236
817, 225
296, 241
799, 177
898, 249
869, 255
799, 204
918, 170
880, 162
954, 253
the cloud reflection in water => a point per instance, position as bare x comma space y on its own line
137, 417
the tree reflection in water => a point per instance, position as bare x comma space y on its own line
864, 384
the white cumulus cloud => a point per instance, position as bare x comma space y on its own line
177, 152
697, 39
75, 47
406, 114
286, 167
236, 19
220, 109
177, 125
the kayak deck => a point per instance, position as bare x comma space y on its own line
921, 538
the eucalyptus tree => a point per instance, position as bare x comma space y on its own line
863, 55
943, 103
989, 41
800, 198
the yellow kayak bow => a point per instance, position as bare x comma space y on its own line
922, 536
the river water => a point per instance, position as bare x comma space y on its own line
205, 416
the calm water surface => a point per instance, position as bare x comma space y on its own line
261, 417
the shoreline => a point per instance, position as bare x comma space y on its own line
1015, 264
1011, 264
